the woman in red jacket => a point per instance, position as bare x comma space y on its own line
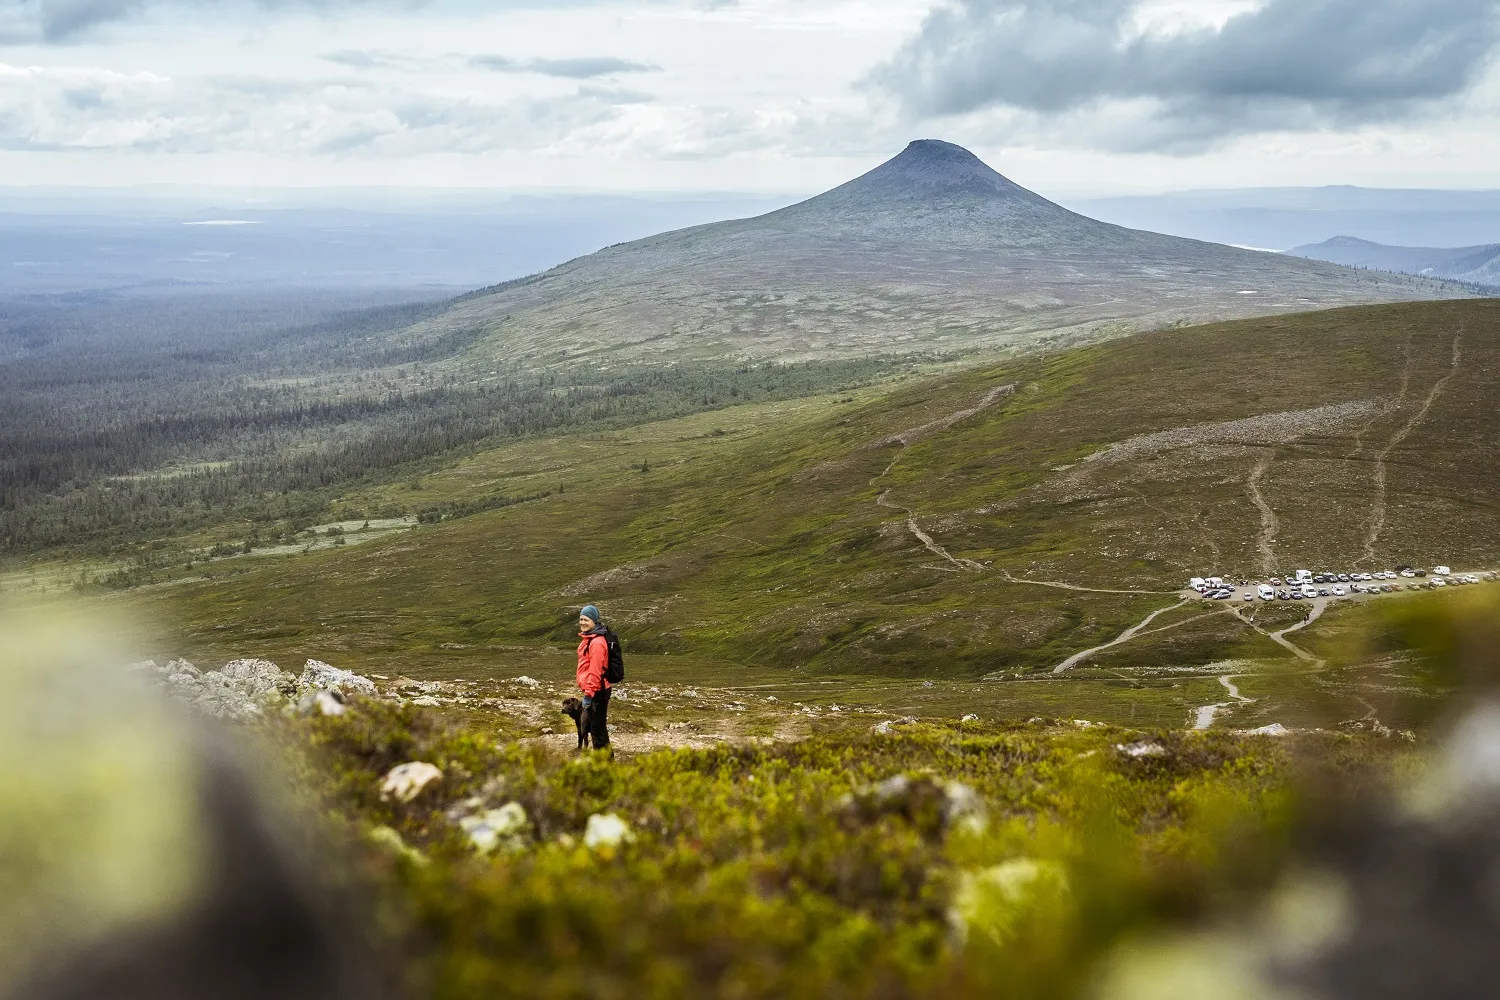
593, 657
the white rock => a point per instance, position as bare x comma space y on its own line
964, 806
257, 679
1141, 749
504, 827
525, 681
406, 781
1274, 729
884, 728
144, 666
320, 675
606, 830
328, 703
426, 701
216, 695
969, 718
181, 666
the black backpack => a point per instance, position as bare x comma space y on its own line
614, 670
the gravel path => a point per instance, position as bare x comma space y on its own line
909, 437
1123, 637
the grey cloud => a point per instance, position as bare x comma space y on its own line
75, 108
573, 69
1288, 64
64, 20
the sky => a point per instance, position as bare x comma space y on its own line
1072, 97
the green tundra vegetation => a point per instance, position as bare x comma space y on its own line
940, 861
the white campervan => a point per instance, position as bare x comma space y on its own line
1266, 592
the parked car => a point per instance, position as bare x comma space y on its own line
1338, 591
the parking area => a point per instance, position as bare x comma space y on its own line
1303, 585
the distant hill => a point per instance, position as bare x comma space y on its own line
932, 250
1284, 217
1477, 265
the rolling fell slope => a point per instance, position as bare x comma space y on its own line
930, 251
997, 519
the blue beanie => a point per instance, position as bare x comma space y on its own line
590, 612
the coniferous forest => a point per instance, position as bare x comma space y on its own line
122, 421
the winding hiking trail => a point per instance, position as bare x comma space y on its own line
1269, 524
1123, 637
1204, 717
1376, 522
909, 437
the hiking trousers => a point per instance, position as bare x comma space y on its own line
599, 719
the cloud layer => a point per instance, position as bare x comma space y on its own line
65, 20
1283, 65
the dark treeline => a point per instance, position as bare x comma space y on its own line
203, 455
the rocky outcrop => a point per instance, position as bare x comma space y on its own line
317, 675
245, 688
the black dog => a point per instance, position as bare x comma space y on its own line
575, 710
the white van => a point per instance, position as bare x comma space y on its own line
1266, 593
1196, 582
1442, 570
1304, 576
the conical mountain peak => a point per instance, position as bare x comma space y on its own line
939, 192
934, 163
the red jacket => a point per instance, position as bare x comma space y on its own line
593, 656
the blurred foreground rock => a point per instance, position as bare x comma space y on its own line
144, 856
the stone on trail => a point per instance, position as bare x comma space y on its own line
426, 701
1274, 729
323, 676
406, 781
